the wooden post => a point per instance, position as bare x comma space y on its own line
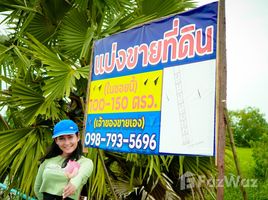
85, 108
107, 174
85, 150
221, 97
237, 165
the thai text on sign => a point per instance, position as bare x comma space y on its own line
152, 89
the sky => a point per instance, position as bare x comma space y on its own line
247, 54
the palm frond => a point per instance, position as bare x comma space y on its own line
97, 180
61, 75
40, 26
142, 11
76, 34
22, 61
28, 100
18, 157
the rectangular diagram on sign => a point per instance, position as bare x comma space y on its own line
187, 117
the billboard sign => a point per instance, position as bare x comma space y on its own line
153, 87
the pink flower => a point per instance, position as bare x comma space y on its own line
71, 169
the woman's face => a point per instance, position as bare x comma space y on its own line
67, 143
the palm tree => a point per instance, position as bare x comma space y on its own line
45, 64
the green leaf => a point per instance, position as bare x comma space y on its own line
76, 34
61, 75
18, 158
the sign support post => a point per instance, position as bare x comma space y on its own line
221, 97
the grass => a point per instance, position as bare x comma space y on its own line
245, 160
258, 191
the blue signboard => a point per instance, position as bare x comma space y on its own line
152, 89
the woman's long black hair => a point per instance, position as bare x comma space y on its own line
54, 151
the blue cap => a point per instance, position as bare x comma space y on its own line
65, 127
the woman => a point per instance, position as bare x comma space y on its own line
52, 182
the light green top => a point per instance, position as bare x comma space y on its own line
51, 178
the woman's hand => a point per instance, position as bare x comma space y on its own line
68, 190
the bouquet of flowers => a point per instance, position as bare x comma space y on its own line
71, 170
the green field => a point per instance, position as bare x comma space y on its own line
255, 188
245, 160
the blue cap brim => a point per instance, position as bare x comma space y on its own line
63, 133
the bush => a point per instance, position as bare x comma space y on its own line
248, 125
260, 155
